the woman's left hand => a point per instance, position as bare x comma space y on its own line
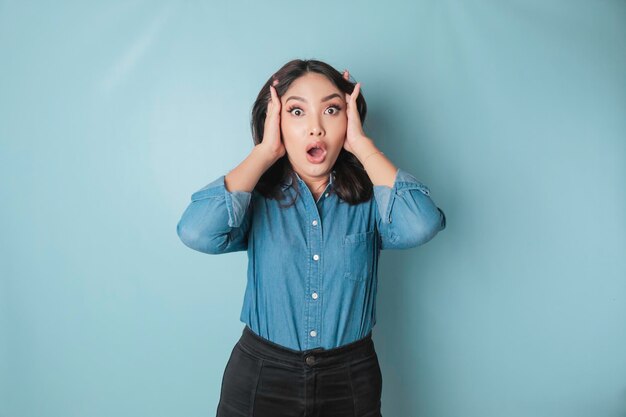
354, 132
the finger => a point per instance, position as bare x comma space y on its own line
352, 105
270, 105
350, 97
272, 87
346, 75
275, 102
275, 98
355, 93
272, 100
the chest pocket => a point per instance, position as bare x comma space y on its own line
358, 254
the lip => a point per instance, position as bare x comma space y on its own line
318, 144
319, 159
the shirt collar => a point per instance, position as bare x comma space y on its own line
288, 181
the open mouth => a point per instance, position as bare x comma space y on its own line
316, 152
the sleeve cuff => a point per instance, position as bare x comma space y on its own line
385, 195
237, 202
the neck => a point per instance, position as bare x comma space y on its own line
315, 184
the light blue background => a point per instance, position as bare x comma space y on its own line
512, 112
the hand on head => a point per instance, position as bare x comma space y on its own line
354, 131
272, 140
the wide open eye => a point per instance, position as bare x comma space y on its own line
336, 109
293, 110
289, 110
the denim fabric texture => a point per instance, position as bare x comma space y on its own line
312, 267
263, 379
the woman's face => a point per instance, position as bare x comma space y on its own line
313, 114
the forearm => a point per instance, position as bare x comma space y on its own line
378, 167
246, 175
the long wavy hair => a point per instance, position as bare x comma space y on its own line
351, 182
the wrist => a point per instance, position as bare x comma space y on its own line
266, 154
364, 148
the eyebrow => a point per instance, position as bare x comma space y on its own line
323, 99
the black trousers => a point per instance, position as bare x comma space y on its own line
264, 379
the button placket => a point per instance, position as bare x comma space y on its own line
312, 312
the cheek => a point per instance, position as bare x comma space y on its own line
287, 130
287, 125
339, 126
289, 139
341, 122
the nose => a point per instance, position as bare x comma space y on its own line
315, 125
315, 131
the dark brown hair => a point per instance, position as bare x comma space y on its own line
351, 182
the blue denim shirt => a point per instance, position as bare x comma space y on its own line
312, 267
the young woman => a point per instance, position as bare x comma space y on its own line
313, 204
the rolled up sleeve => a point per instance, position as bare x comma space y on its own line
217, 220
407, 216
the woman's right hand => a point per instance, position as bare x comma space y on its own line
272, 141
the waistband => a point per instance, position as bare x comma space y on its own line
317, 357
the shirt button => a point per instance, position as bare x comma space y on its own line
314, 295
313, 333
326, 194
316, 256
314, 223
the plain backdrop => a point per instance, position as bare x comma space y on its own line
512, 112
